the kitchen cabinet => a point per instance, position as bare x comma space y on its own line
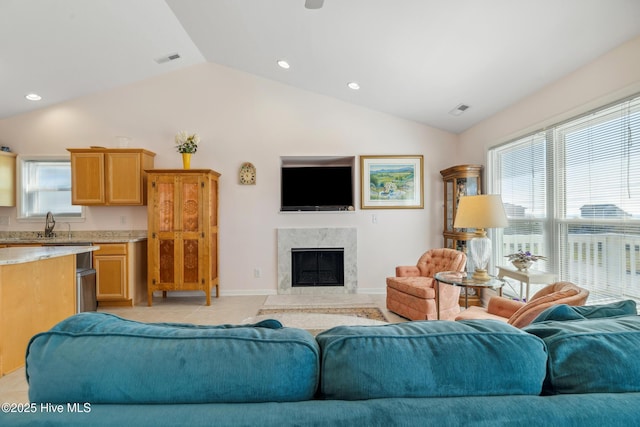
7, 179
120, 273
109, 176
461, 180
183, 231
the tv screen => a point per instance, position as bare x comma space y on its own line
313, 188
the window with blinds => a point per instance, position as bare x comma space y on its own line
572, 193
46, 186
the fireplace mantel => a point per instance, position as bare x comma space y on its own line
339, 237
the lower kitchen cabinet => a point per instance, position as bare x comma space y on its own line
121, 273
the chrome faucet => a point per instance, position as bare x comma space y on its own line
49, 225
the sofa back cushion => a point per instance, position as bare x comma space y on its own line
430, 359
101, 358
592, 355
567, 312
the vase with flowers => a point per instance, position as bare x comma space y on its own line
522, 260
187, 144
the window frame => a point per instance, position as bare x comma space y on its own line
21, 195
556, 234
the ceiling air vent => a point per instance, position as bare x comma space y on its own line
168, 58
461, 108
313, 4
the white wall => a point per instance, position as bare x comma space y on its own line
241, 118
607, 79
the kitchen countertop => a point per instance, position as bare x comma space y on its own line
62, 237
28, 254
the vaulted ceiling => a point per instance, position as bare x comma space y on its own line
416, 59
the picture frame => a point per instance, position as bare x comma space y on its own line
391, 182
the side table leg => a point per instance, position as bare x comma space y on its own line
437, 300
521, 292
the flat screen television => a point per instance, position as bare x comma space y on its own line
316, 188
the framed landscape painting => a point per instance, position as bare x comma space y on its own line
391, 182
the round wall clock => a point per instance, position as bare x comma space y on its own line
247, 173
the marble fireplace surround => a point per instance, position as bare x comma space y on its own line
289, 238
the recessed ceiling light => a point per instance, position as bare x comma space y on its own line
283, 64
33, 97
353, 85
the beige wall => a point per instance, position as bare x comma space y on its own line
609, 78
241, 118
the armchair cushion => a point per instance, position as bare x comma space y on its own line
504, 307
442, 259
407, 271
421, 287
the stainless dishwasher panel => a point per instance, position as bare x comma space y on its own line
86, 290
83, 260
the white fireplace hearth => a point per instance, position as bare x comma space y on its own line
314, 238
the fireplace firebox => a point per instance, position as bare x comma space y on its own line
317, 267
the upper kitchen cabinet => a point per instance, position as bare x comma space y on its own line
109, 176
7, 179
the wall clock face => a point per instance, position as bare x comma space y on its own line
247, 174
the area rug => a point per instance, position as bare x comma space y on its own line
318, 319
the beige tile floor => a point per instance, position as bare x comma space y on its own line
226, 309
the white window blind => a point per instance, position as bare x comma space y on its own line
572, 193
46, 186
520, 173
599, 209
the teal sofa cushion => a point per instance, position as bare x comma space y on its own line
591, 355
567, 312
430, 359
101, 358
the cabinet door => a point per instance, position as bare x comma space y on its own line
123, 178
191, 234
111, 277
7, 179
162, 227
110, 262
87, 179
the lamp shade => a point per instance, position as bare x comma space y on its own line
482, 211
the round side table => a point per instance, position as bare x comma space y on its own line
464, 280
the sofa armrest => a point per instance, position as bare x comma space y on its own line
407, 271
503, 307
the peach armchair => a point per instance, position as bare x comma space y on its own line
411, 292
520, 314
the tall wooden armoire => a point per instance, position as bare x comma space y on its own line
183, 231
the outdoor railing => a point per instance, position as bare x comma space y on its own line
607, 264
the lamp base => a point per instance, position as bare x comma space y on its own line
481, 275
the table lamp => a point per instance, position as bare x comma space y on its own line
480, 212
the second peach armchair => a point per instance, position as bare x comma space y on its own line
520, 314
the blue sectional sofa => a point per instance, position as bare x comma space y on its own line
566, 370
